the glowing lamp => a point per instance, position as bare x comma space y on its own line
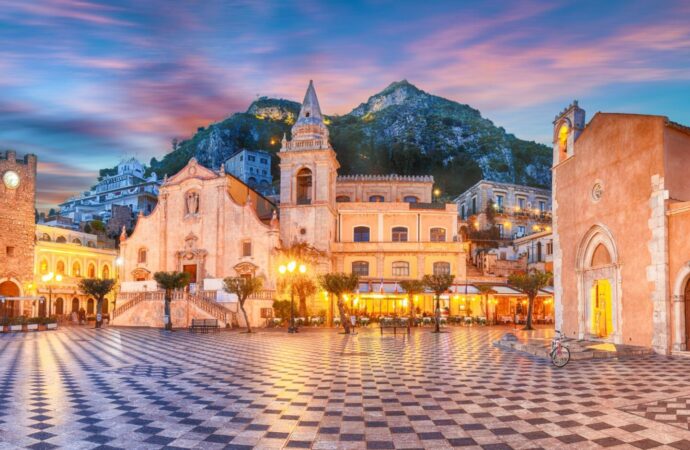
282, 269
291, 266
302, 268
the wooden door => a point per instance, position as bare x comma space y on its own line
191, 270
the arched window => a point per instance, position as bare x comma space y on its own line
45, 237
410, 199
401, 269
304, 187
60, 268
601, 256
376, 198
76, 269
105, 273
43, 267
75, 304
361, 234
89, 306
76, 241
59, 306
437, 235
251, 181
141, 256
360, 268
342, 199
399, 234
61, 240
92, 271
441, 268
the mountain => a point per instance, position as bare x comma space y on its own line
401, 130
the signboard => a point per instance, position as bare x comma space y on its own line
99, 317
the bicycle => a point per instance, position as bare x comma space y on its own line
560, 354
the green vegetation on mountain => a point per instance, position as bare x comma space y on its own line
400, 130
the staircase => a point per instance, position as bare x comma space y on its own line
212, 308
135, 300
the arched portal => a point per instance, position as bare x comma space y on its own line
681, 309
9, 308
598, 277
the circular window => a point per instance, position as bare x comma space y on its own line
597, 191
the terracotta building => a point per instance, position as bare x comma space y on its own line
17, 225
621, 198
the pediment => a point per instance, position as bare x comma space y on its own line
193, 170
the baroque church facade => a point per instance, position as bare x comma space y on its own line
211, 225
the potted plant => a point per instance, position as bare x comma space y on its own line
16, 324
50, 323
32, 323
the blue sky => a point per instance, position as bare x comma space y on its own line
83, 83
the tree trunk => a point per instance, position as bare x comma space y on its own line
168, 324
99, 309
343, 316
411, 309
246, 319
437, 328
530, 307
302, 305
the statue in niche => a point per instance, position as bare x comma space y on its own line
192, 203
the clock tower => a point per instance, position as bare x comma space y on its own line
17, 222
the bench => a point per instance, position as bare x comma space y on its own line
394, 324
204, 325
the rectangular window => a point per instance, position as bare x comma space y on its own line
266, 313
441, 268
521, 230
251, 158
500, 230
399, 234
360, 268
247, 248
474, 205
521, 203
401, 269
542, 206
361, 234
264, 161
499, 201
462, 212
10, 251
437, 235
549, 248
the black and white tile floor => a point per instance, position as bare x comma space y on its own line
118, 388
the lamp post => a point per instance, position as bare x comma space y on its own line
47, 278
288, 270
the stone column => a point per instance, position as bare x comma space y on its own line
657, 271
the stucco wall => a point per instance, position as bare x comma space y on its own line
621, 153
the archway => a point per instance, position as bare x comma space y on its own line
10, 308
89, 306
681, 309
59, 306
75, 304
598, 278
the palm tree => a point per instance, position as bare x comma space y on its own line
438, 284
243, 288
484, 291
96, 287
339, 284
303, 285
412, 287
530, 283
170, 281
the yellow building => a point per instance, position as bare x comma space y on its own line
62, 258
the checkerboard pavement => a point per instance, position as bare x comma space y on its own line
80, 388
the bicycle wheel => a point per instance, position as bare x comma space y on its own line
560, 358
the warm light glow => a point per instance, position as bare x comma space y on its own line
476, 225
302, 268
507, 224
282, 269
404, 303
291, 266
437, 192
58, 278
119, 261
548, 229
495, 205
47, 277
563, 136
517, 208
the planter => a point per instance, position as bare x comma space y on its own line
51, 326
14, 328
32, 327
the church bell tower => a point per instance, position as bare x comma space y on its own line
308, 170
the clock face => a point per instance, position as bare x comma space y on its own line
11, 179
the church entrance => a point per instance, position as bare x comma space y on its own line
601, 324
191, 270
10, 308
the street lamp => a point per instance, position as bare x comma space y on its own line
47, 278
288, 270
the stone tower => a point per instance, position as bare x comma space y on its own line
308, 169
17, 224
567, 128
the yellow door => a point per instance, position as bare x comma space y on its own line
604, 305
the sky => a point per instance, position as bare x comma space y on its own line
84, 84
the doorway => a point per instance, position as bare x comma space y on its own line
191, 270
602, 309
686, 296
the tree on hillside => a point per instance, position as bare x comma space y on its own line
170, 282
530, 283
438, 284
412, 288
243, 288
98, 288
339, 284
